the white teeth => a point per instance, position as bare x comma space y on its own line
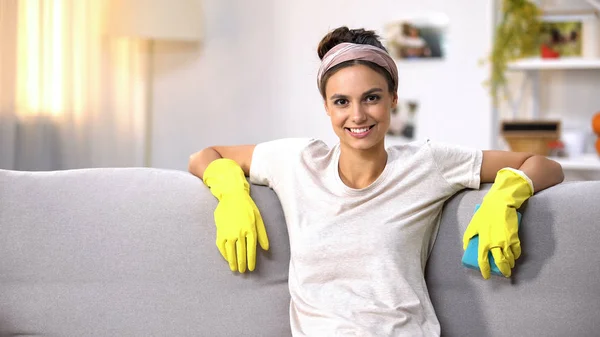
359, 130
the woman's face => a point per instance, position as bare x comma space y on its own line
358, 101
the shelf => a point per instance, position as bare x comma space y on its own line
589, 161
564, 63
570, 15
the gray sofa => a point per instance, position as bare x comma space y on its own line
130, 252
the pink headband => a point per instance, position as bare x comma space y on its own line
350, 51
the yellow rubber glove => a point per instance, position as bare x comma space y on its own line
238, 220
496, 221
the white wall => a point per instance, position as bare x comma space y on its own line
254, 77
454, 105
220, 92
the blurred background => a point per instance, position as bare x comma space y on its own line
118, 83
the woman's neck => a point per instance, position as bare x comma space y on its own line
360, 168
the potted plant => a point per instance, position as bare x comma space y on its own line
516, 36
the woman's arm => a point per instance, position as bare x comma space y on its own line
542, 171
496, 220
238, 221
241, 154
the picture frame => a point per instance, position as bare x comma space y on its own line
561, 38
417, 38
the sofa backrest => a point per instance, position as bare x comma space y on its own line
131, 252
555, 286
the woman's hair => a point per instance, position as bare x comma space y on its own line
357, 36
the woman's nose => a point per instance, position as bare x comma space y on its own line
358, 114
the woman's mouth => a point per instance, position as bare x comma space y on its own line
359, 132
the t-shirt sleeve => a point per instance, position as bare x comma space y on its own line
271, 160
459, 166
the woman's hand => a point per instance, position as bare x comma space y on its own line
238, 220
239, 226
496, 222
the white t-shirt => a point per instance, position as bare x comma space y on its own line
358, 255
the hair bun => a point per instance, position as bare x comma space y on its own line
344, 34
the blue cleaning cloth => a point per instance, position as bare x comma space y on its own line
469, 258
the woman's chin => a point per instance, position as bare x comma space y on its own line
363, 143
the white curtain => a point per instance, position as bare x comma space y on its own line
70, 97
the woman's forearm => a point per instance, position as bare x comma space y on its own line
200, 160
543, 172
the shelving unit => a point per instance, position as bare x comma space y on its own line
532, 68
586, 166
565, 63
586, 162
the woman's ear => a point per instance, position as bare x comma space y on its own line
394, 101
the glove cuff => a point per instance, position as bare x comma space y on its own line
523, 175
511, 188
225, 176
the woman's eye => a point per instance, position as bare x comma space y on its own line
372, 98
341, 101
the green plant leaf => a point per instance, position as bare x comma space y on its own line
517, 36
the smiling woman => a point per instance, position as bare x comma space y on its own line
361, 216
361, 110
358, 83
